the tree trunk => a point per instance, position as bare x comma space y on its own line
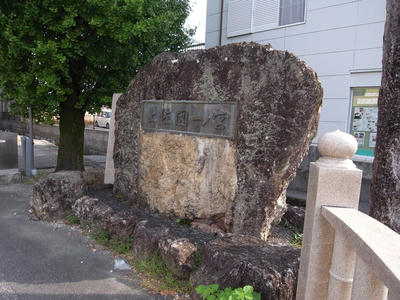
71, 143
385, 189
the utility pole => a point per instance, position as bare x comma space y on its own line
30, 152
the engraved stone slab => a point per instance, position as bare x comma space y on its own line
185, 175
215, 119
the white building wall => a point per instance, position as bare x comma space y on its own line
340, 39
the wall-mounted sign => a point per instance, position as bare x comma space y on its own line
215, 119
364, 118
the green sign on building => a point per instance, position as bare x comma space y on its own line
364, 116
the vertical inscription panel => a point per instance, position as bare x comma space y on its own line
215, 119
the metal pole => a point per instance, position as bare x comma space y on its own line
28, 158
32, 165
23, 146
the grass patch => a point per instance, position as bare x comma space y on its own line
156, 274
121, 198
198, 259
84, 226
297, 238
71, 219
119, 245
103, 237
184, 222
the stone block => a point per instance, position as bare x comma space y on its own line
295, 216
54, 196
156, 231
237, 260
179, 255
109, 171
93, 212
93, 176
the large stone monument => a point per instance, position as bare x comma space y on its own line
216, 134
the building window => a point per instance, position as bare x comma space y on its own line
247, 16
291, 12
364, 116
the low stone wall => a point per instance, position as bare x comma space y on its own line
230, 260
95, 140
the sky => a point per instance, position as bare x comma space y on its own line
197, 18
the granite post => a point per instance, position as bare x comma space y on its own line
334, 180
109, 172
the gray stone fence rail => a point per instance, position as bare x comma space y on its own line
345, 254
95, 140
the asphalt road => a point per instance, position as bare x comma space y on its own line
40, 260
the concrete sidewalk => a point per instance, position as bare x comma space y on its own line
53, 261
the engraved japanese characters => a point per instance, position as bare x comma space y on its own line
189, 117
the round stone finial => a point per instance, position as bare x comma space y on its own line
337, 144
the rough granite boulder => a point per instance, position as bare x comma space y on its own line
118, 221
245, 178
93, 176
179, 255
295, 216
92, 211
237, 260
54, 196
176, 244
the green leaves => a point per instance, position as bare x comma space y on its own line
212, 292
82, 51
76, 53
208, 291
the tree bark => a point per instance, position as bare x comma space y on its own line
71, 143
385, 188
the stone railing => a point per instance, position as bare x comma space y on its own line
195, 47
346, 254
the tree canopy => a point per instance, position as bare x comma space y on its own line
72, 55
52, 51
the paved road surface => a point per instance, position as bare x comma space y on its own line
40, 261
